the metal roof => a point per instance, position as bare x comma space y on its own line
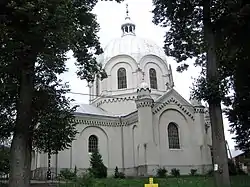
91, 109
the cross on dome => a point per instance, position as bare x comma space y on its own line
128, 27
127, 10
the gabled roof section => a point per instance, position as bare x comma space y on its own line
83, 109
173, 97
92, 115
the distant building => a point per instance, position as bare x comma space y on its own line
136, 118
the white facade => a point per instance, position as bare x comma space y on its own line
139, 121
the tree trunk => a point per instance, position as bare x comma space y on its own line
20, 147
28, 157
220, 158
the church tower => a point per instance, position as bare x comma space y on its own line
201, 132
126, 60
146, 147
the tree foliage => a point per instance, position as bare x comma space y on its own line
237, 66
53, 119
97, 168
185, 40
192, 34
35, 37
4, 160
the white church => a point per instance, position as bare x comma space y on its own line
135, 117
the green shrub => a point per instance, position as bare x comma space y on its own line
161, 172
193, 172
67, 174
121, 175
86, 180
210, 172
97, 168
116, 172
175, 172
75, 171
118, 175
240, 170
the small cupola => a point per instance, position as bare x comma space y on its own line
128, 27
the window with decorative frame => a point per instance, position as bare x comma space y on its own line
173, 136
93, 144
153, 78
122, 78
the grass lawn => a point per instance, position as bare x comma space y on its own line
236, 181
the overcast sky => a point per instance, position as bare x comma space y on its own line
110, 16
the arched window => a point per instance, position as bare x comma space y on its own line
122, 78
93, 143
173, 136
153, 78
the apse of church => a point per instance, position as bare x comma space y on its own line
135, 118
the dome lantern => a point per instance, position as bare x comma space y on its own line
128, 27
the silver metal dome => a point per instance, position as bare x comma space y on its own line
133, 46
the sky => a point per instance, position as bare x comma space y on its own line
110, 16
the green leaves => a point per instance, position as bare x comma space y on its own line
41, 33
54, 129
184, 38
212, 91
97, 168
4, 160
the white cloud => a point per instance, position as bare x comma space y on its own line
110, 16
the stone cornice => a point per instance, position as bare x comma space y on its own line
107, 121
172, 100
145, 102
100, 122
132, 118
115, 100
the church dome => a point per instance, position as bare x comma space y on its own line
130, 44
133, 46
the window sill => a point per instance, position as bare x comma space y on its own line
176, 149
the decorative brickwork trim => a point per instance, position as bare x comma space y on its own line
140, 104
126, 121
175, 102
100, 122
115, 100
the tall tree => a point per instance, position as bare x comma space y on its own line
52, 129
4, 160
192, 34
233, 56
39, 33
237, 61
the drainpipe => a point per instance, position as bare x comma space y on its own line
122, 141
